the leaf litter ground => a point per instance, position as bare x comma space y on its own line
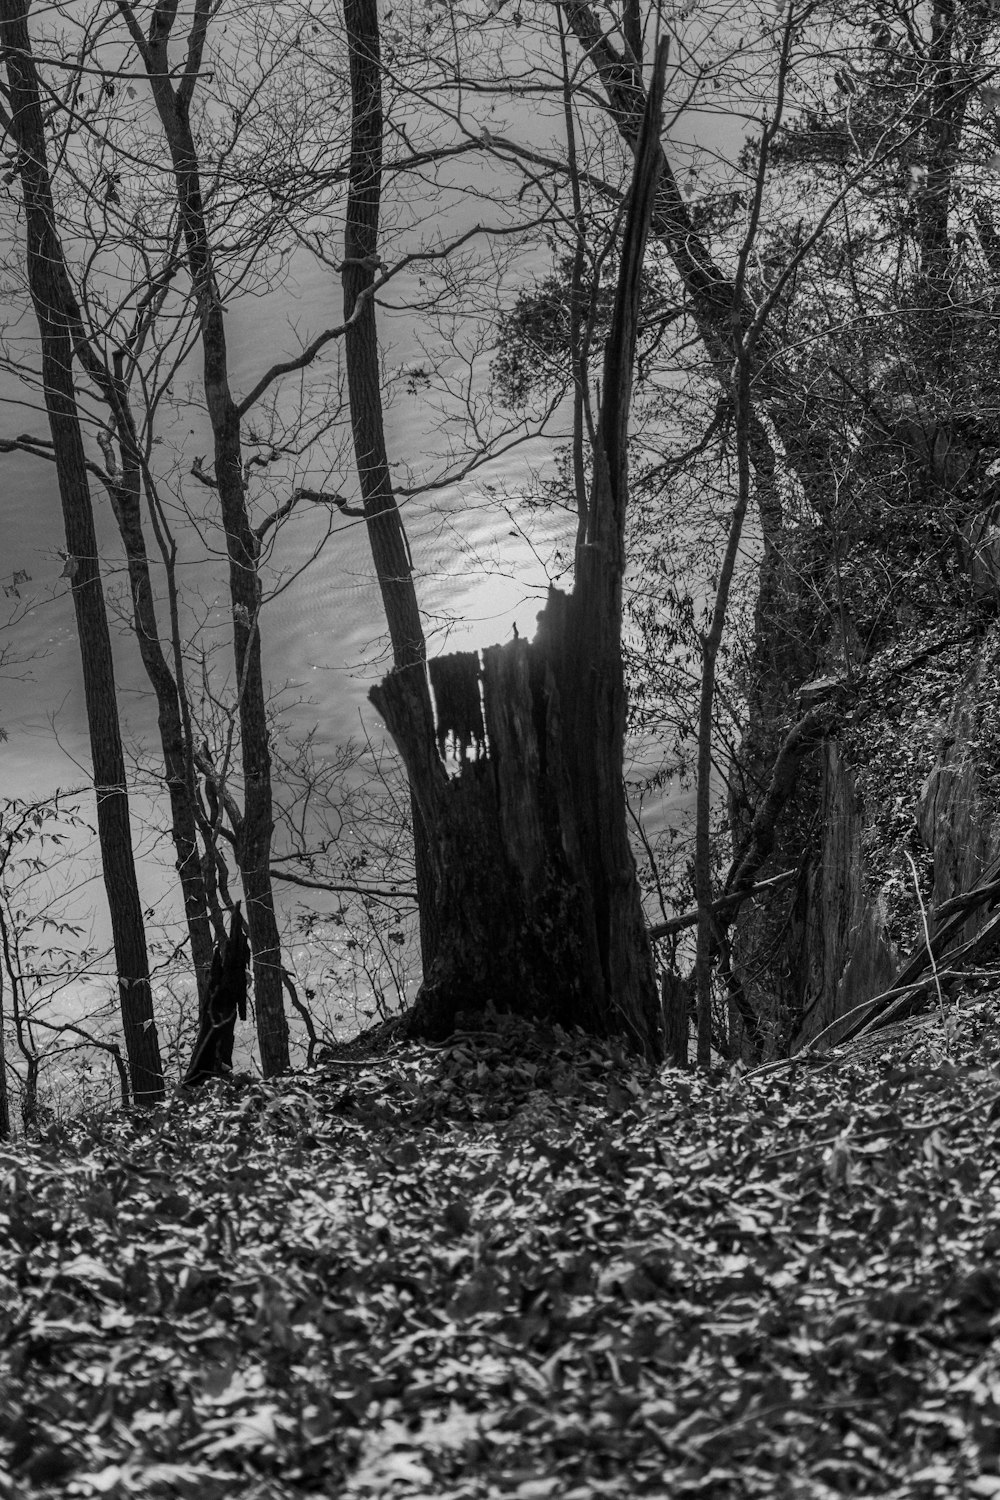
515, 1265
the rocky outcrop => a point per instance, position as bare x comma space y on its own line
980, 541
891, 602
850, 954
957, 809
898, 814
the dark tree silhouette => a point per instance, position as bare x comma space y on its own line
538, 907
225, 998
390, 550
46, 276
172, 93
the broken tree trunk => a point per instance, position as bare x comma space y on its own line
538, 908
517, 769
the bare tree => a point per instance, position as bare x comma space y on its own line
25, 126
173, 103
390, 550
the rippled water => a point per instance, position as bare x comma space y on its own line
323, 633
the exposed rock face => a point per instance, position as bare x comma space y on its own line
850, 954
856, 913
957, 812
824, 947
894, 598
980, 536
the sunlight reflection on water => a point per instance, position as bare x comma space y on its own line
323, 633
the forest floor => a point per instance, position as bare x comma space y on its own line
517, 1265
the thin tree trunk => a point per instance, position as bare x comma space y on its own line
390, 552
176, 753
124, 484
720, 309
254, 844
594, 695
114, 830
4, 1092
578, 301
711, 641
745, 348
675, 997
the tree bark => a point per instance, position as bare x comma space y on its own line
537, 895
114, 830
390, 551
253, 850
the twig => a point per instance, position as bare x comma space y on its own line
304, 1012
811, 1056
927, 932
92, 1041
377, 893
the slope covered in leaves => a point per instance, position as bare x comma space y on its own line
514, 1266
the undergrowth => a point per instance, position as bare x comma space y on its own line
515, 1265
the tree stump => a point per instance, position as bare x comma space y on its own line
538, 908
516, 767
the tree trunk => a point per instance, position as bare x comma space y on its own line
253, 850
538, 904
4, 1092
114, 830
177, 754
675, 1003
537, 898
224, 999
124, 485
390, 552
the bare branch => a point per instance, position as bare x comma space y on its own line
43, 448
800, 739
112, 1048
289, 366
319, 497
378, 893
304, 1012
309, 353
723, 904
198, 471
